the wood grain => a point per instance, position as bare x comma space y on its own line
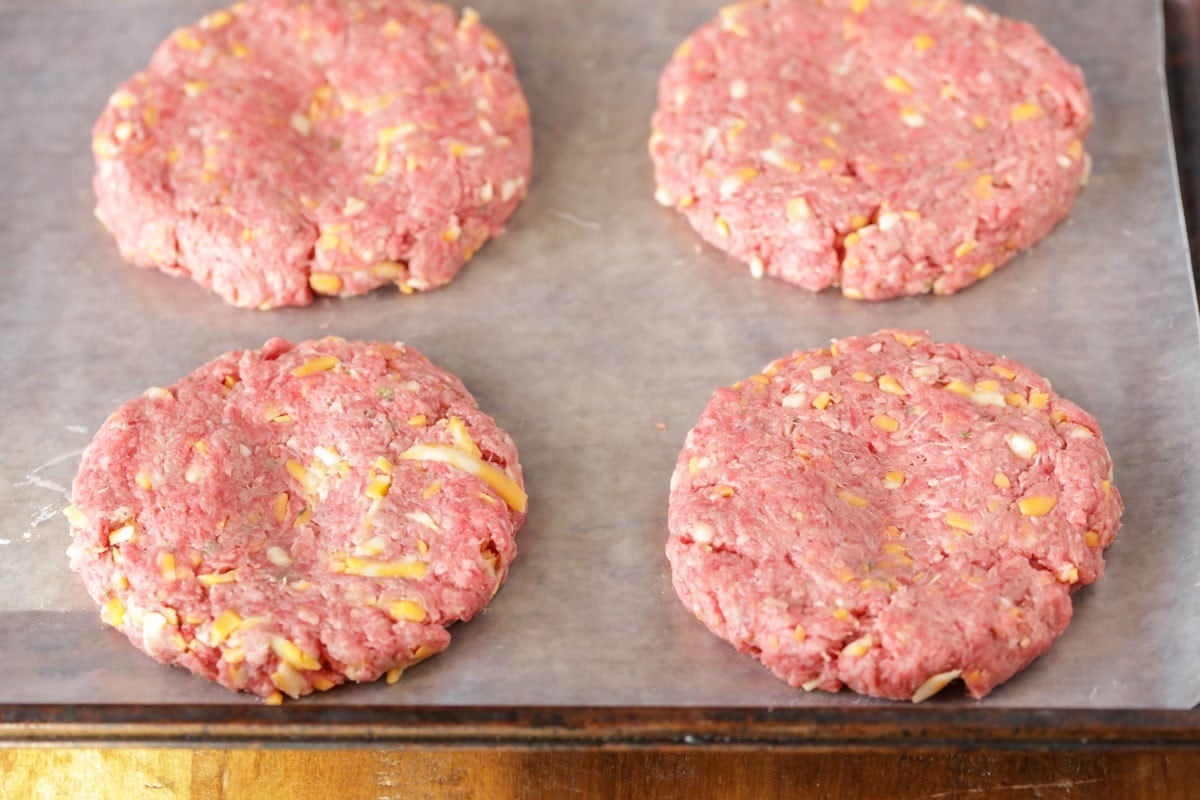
180, 774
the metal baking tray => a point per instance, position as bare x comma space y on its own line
594, 331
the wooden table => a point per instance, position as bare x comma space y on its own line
890, 751
138, 774
667, 753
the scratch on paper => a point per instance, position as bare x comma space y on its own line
40, 517
32, 478
45, 514
47, 511
580, 221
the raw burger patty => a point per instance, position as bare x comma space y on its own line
890, 514
287, 519
280, 148
889, 147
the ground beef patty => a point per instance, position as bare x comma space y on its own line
890, 514
280, 148
286, 519
889, 147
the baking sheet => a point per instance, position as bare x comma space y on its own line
594, 331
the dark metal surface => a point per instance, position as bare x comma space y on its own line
1183, 81
919, 728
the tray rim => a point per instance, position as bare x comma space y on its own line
873, 728
590, 727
